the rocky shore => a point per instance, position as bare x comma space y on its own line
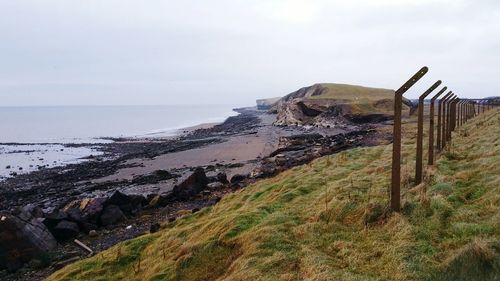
136, 185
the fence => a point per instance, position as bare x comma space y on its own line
452, 113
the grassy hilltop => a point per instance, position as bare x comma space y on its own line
326, 221
353, 92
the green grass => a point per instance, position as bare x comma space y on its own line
362, 100
327, 221
353, 92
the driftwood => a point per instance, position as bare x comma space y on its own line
85, 247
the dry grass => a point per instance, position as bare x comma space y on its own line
327, 221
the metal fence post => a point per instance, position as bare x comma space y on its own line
441, 118
431, 126
420, 132
449, 128
396, 143
446, 119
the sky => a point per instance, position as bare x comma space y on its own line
140, 52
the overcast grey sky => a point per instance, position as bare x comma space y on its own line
60, 52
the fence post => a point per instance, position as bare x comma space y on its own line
420, 132
460, 113
450, 118
454, 114
441, 119
396, 143
431, 126
446, 120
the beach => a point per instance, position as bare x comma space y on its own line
229, 155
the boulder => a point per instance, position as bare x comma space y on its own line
23, 238
34, 211
238, 178
112, 214
220, 177
92, 208
158, 201
193, 185
65, 230
75, 215
129, 204
53, 218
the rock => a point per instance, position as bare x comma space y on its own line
129, 204
93, 233
155, 177
111, 215
215, 186
23, 238
74, 215
92, 208
65, 230
34, 211
154, 227
193, 185
220, 177
280, 159
53, 218
8, 167
238, 178
87, 227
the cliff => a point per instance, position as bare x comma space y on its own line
330, 105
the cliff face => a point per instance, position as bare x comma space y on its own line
333, 105
266, 104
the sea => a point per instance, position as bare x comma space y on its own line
33, 138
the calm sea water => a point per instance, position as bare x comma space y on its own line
31, 128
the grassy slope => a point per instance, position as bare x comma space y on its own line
319, 222
348, 92
361, 99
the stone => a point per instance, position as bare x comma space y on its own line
34, 211
154, 227
193, 185
92, 208
93, 233
112, 214
129, 204
75, 215
215, 185
53, 218
86, 227
65, 230
23, 238
154, 178
238, 178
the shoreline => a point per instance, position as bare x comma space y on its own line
243, 149
13, 167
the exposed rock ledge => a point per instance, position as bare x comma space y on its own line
335, 105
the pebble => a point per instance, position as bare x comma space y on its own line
93, 233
